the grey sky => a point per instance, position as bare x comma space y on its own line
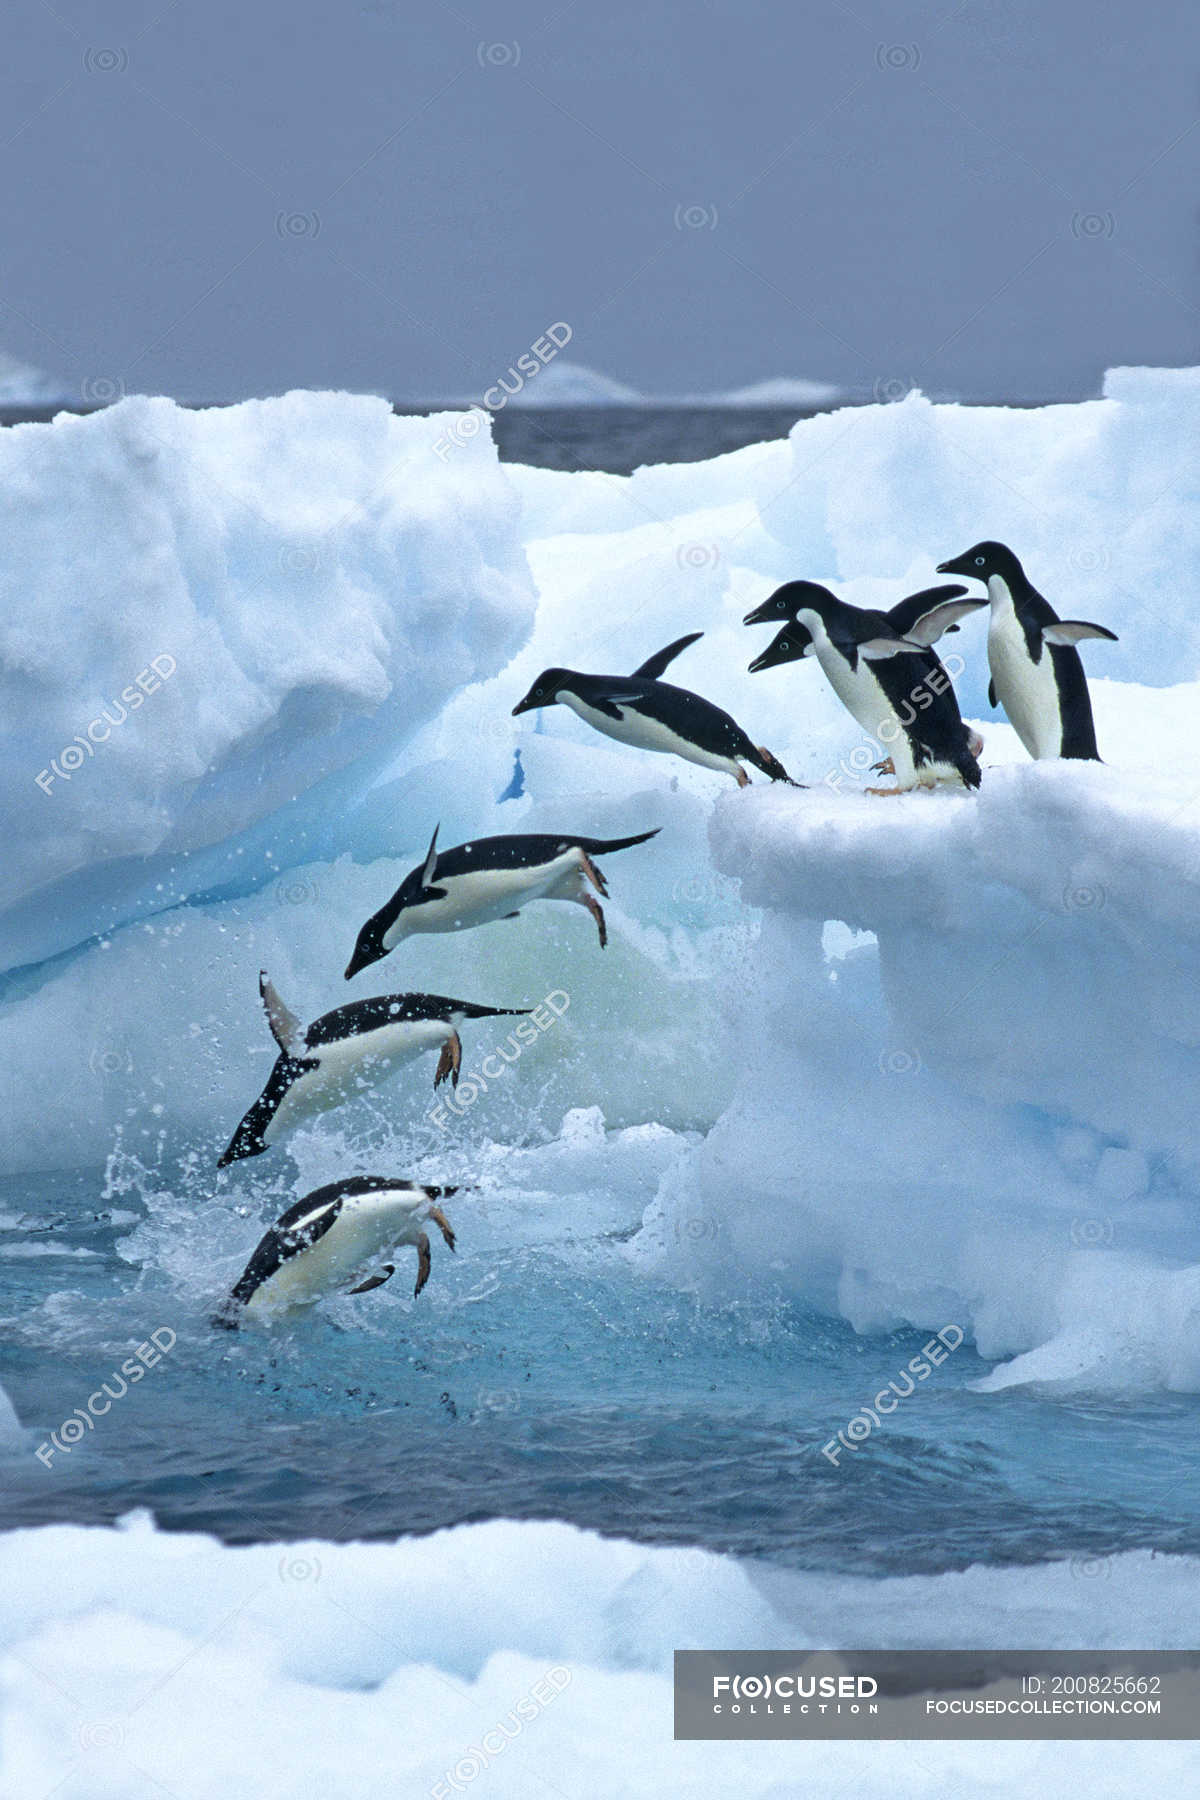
227, 199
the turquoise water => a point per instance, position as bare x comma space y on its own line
550, 1381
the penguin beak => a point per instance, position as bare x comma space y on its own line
528, 704
761, 614
360, 960
955, 567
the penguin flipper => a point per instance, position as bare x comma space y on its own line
609, 704
992, 700
929, 627
285, 1026
1070, 631
876, 648
655, 665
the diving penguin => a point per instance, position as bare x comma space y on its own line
1037, 673
331, 1242
489, 878
318, 1067
642, 710
896, 689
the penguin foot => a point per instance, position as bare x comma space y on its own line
743, 780
886, 767
374, 1281
594, 907
884, 791
443, 1224
775, 769
424, 1263
449, 1062
593, 874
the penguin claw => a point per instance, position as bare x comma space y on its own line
449, 1062
597, 912
886, 767
443, 1224
594, 875
884, 792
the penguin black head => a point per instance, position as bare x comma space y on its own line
983, 560
368, 948
788, 645
544, 691
786, 602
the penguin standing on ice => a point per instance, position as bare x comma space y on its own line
1037, 673
323, 1065
921, 618
642, 710
331, 1242
897, 689
490, 878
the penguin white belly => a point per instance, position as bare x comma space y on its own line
647, 734
340, 1064
483, 895
1027, 691
861, 695
364, 1230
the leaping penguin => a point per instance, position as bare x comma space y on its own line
318, 1067
1045, 695
490, 878
896, 688
640, 709
331, 1242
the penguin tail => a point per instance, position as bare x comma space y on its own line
606, 846
771, 765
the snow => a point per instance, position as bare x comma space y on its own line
227, 608
363, 1670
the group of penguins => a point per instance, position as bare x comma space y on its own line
882, 666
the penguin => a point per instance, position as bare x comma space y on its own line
897, 689
1037, 673
640, 709
490, 878
330, 1242
921, 618
318, 1067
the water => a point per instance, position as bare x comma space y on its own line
543, 1379
542, 1374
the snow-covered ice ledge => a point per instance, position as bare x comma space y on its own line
987, 1117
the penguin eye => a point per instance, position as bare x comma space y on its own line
785, 645
979, 561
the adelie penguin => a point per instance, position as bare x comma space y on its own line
1037, 673
489, 878
332, 1241
641, 709
894, 685
324, 1064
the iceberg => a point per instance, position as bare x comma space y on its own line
359, 1666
